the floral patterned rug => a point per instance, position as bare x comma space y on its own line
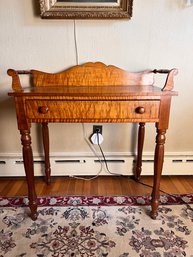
76, 226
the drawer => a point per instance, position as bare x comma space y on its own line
92, 111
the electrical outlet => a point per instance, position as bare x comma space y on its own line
97, 128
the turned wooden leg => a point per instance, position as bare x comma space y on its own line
141, 134
29, 170
45, 135
158, 164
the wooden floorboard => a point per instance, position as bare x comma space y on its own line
103, 185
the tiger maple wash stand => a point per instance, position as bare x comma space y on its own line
92, 92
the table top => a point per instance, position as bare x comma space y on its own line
94, 91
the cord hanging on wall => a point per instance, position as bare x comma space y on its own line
75, 43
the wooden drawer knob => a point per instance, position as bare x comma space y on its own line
43, 109
140, 110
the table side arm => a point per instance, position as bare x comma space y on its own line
169, 83
16, 83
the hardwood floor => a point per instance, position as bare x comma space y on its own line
103, 185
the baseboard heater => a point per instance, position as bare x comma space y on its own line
84, 164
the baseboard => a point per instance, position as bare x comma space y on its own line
71, 164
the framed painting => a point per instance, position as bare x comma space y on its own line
86, 9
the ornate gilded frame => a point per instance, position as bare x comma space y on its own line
86, 9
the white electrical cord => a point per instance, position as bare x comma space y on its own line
75, 42
84, 131
97, 139
96, 154
107, 168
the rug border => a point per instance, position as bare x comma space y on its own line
79, 200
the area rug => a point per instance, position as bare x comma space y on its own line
76, 226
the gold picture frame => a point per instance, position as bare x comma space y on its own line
86, 9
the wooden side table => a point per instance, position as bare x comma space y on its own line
92, 92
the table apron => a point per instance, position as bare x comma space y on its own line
92, 111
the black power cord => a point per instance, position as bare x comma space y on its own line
139, 182
166, 193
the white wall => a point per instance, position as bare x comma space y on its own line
159, 35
